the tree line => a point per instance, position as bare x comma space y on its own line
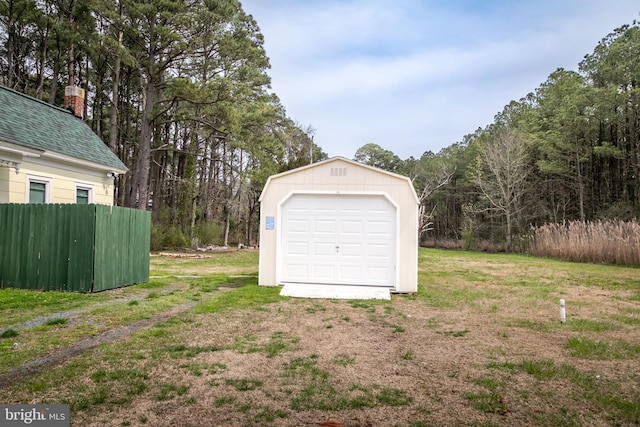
567, 151
180, 91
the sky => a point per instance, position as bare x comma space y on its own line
418, 75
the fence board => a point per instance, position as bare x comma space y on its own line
72, 247
123, 253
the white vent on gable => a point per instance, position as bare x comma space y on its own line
338, 171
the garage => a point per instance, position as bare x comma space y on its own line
339, 223
338, 239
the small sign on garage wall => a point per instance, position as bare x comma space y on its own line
270, 223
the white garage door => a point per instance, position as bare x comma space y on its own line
338, 239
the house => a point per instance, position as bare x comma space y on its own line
60, 231
338, 224
49, 155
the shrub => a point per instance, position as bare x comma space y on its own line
167, 236
208, 233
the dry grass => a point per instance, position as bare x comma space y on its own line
479, 344
608, 242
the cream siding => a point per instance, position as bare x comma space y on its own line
348, 177
14, 188
4, 184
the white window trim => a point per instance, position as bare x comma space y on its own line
48, 187
81, 186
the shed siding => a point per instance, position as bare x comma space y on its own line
358, 179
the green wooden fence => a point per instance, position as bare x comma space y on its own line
68, 247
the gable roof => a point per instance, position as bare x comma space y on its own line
339, 159
35, 124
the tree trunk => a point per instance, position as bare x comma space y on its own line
227, 221
508, 236
140, 184
55, 76
113, 131
580, 183
43, 59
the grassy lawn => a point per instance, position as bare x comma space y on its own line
202, 344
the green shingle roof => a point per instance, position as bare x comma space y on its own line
32, 123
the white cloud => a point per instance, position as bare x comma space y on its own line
417, 75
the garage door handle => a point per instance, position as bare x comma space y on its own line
337, 248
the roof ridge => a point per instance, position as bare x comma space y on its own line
31, 98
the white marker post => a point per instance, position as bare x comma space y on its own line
563, 315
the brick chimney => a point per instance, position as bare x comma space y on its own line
74, 100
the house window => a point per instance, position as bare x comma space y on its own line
83, 195
37, 192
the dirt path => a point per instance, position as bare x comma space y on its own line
39, 365
68, 314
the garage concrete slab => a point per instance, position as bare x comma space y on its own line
302, 290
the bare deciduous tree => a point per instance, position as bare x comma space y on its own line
502, 175
439, 176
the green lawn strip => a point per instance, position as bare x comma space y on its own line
279, 342
446, 295
152, 344
573, 325
441, 267
112, 373
125, 313
313, 389
238, 260
592, 386
37, 342
19, 306
20, 346
387, 317
587, 348
632, 319
244, 297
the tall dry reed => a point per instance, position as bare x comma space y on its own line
608, 242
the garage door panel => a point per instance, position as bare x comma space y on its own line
351, 227
380, 228
325, 226
351, 250
377, 275
379, 251
339, 239
352, 274
377, 212
298, 248
297, 271
298, 225
299, 209
324, 210
352, 212
324, 271
324, 249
